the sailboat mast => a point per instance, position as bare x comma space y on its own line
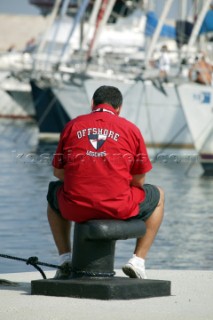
62, 14
183, 9
199, 21
44, 40
103, 16
157, 31
92, 20
77, 20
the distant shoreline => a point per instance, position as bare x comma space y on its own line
16, 30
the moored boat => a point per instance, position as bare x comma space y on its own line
197, 103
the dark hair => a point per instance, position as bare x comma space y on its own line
108, 94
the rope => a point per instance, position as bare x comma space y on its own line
33, 261
81, 273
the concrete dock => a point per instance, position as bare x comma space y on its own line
191, 299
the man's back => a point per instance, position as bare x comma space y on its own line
101, 152
100, 164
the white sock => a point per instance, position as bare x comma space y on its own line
139, 260
65, 257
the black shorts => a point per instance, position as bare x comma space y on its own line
52, 195
146, 207
151, 201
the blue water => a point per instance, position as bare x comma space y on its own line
184, 241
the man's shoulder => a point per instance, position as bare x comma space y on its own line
120, 121
71, 124
128, 124
77, 119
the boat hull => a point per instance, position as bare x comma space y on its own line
155, 110
16, 105
197, 104
15, 98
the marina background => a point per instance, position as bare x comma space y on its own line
21, 22
185, 238
24, 7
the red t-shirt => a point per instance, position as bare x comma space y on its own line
99, 153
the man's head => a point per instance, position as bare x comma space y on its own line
164, 48
109, 95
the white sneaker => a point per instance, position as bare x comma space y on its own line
135, 269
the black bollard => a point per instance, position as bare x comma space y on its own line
93, 265
94, 245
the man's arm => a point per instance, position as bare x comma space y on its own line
138, 180
58, 173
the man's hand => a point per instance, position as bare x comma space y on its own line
138, 180
59, 173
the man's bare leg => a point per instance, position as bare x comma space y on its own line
153, 223
61, 231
